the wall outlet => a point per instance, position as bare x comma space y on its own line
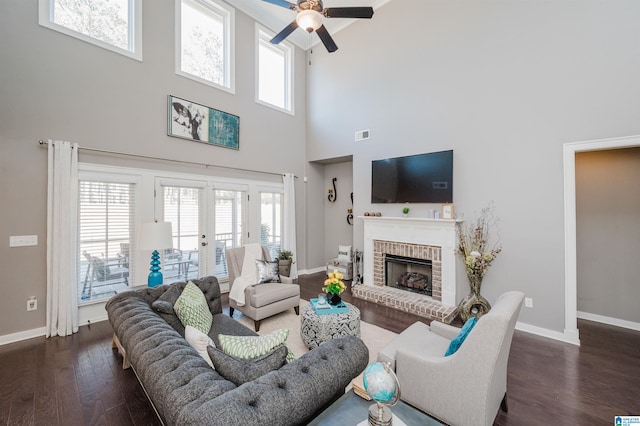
528, 302
32, 304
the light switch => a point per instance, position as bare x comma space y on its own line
23, 240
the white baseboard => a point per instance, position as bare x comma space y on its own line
312, 271
566, 337
610, 321
22, 335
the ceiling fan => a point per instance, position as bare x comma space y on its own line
309, 18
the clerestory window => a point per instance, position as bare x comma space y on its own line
111, 24
204, 42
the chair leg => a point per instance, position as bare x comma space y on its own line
297, 309
256, 325
231, 312
503, 404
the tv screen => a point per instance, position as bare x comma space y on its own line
422, 178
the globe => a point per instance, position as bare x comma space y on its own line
380, 382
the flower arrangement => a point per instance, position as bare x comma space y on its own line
474, 244
333, 284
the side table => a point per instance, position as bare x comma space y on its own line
316, 329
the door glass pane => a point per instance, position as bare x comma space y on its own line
106, 227
182, 207
271, 221
228, 226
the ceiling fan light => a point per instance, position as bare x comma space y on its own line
309, 20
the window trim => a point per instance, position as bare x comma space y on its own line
45, 19
228, 14
264, 34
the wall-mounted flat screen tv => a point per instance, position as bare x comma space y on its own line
422, 178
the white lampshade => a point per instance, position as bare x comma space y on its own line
155, 236
309, 20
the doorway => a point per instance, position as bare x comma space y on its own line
570, 150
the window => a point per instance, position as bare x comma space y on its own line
106, 230
273, 74
271, 222
204, 42
112, 24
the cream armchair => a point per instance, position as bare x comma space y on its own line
261, 300
466, 388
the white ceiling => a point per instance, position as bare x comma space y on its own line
276, 18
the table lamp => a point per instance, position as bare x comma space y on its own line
155, 236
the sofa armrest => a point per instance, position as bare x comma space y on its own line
445, 330
286, 280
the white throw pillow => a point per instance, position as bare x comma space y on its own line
344, 253
199, 341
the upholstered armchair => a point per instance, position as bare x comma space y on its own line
466, 388
260, 300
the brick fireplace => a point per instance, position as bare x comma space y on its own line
414, 238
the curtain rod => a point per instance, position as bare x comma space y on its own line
148, 157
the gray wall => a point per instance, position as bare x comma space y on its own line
54, 86
608, 232
504, 84
337, 230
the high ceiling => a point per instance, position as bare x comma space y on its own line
276, 18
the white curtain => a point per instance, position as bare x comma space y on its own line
62, 252
289, 241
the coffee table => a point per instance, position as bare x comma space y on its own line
351, 410
316, 329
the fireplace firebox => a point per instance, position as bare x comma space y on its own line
408, 273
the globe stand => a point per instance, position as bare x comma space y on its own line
379, 415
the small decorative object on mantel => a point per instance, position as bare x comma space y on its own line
477, 253
334, 286
447, 211
405, 211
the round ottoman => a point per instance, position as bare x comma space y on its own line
316, 329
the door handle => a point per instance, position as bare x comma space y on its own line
203, 244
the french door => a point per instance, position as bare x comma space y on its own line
206, 220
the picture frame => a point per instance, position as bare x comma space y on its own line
199, 123
448, 211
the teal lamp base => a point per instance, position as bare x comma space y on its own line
155, 276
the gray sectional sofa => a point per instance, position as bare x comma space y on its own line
185, 390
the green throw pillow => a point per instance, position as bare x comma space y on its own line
192, 308
248, 347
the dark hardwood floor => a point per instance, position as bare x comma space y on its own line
78, 380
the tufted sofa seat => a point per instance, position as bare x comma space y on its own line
185, 390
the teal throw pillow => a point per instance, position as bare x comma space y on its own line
459, 339
249, 347
192, 308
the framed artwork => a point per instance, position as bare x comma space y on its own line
199, 123
447, 211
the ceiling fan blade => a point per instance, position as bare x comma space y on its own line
282, 3
284, 33
326, 39
348, 12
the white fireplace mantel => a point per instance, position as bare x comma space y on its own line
433, 232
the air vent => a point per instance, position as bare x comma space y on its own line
362, 135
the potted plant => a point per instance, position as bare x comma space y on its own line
285, 259
405, 211
334, 286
